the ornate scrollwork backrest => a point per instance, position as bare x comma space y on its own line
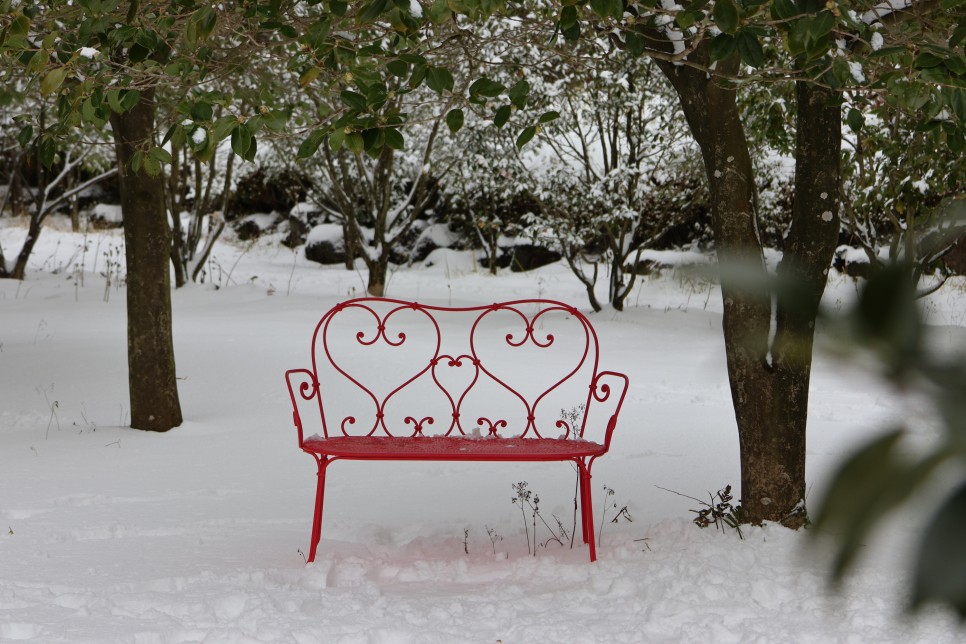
387, 367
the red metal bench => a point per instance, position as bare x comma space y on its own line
513, 381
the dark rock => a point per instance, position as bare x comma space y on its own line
325, 244
527, 257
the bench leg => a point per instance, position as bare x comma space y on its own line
319, 498
587, 508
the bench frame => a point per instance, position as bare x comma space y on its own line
455, 443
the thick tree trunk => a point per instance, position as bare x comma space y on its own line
769, 383
809, 248
147, 238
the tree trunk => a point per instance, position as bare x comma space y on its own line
34, 227
147, 239
809, 248
769, 384
378, 271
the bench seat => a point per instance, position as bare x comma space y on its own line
449, 448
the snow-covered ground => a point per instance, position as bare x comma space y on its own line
114, 535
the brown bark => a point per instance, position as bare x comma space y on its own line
147, 239
769, 385
34, 227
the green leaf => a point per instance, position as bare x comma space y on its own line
53, 80
518, 93
956, 99
750, 49
820, 25
355, 142
25, 136
336, 139
454, 120
152, 166
439, 79
201, 111
114, 100
129, 98
956, 65
635, 43
353, 100
486, 87
547, 117
887, 318
959, 34
858, 496
600, 7
160, 154
726, 16
137, 161
372, 11
722, 46
926, 60
394, 138
48, 151
419, 73
398, 68
956, 141
241, 140
525, 136
309, 75
307, 148
784, 9
439, 12
571, 34
949, 4
686, 18
855, 120
940, 572
223, 127
502, 115
885, 52
615, 9
568, 17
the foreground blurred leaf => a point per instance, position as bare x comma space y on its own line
941, 566
873, 482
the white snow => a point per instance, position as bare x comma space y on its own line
87, 52
108, 213
324, 233
113, 535
886, 8
199, 136
263, 221
439, 234
303, 208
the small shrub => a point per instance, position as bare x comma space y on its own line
718, 511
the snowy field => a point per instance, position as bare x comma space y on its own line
114, 535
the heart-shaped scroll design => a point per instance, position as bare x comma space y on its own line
400, 359
455, 377
557, 360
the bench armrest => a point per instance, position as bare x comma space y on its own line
602, 390
303, 381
